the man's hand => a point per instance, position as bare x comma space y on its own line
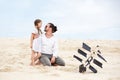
53, 60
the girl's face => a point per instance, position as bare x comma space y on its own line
39, 25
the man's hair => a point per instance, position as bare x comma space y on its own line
54, 28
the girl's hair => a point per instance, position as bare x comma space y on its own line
54, 28
39, 31
36, 24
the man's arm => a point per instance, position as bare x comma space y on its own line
55, 51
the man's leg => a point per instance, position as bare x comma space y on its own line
45, 60
59, 61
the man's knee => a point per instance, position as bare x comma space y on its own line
60, 61
47, 64
45, 61
63, 64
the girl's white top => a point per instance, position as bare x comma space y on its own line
35, 31
35, 47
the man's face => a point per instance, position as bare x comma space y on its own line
47, 27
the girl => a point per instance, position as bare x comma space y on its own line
33, 41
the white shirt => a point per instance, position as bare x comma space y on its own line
48, 45
35, 31
35, 45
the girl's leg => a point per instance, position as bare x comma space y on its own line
32, 58
37, 57
38, 62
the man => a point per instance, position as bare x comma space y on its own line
48, 47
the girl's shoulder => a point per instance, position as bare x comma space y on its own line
34, 31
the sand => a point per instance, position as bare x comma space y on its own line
15, 59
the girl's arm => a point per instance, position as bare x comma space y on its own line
31, 40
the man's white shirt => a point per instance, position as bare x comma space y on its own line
48, 45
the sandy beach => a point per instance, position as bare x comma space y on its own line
15, 59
